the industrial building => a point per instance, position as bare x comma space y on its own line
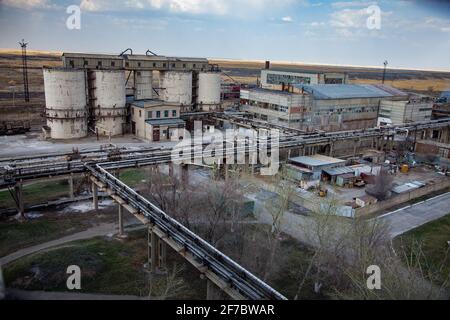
401, 110
277, 79
91, 93
328, 107
156, 120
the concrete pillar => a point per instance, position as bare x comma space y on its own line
162, 254
71, 193
171, 169
18, 188
184, 175
95, 195
331, 149
152, 250
226, 171
121, 233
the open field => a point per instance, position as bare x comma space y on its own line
414, 80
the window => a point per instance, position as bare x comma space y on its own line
164, 65
193, 65
71, 63
174, 113
113, 63
140, 113
85, 62
149, 115
127, 64
158, 114
99, 63
154, 64
139, 64
184, 65
166, 113
173, 65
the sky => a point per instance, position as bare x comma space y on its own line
407, 33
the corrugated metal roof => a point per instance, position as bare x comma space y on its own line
162, 122
316, 160
345, 91
338, 171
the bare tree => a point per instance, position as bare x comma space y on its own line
382, 186
343, 249
167, 286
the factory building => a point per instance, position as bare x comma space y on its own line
156, 120
404, 110
89, 94
328, 107
277, 79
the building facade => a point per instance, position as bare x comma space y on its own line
277, 78
328, 107
156, 120
413, 109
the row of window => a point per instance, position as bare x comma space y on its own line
127, 64
158, 114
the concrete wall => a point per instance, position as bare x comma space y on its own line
402, 198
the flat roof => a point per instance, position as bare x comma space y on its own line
316, 160
304, 71
162, 122
349, 91
147, 103
271, 91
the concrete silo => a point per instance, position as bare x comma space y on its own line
176, 87
65, 102
143, 85
107, 92
209, 86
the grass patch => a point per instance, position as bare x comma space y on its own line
433, 237
16, 235
108, 266
132, 177
38, 192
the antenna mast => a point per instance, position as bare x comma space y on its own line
26, 92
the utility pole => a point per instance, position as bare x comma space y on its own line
26, 93
384, 71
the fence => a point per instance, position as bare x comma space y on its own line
402, 198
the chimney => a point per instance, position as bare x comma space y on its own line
267, 66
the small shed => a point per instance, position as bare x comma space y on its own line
365, 200
334, 173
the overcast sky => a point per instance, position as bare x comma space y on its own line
412, 34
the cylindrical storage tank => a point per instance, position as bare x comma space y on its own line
143, 85
209, 91
65, 103
177, 87
108, 91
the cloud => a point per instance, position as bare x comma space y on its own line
438, 23
346, 4
287, 19
29, 4
214, 7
